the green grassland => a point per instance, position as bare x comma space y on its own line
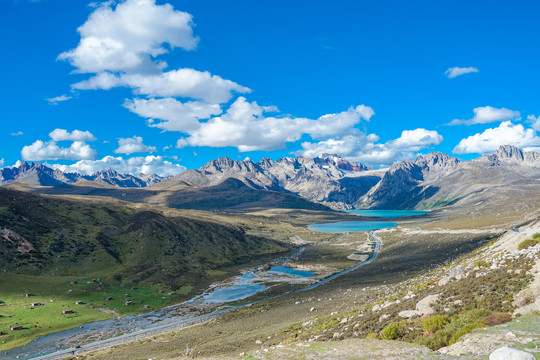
111, 248
56, 294
231, 195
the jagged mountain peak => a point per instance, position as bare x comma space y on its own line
341, 163
508, 154
108, 172
435, 161
39, 174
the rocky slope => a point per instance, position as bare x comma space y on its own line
430, 181
41, 175
438, 180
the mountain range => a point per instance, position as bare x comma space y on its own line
430, 181
41, 175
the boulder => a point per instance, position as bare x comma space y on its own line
506, 353
425, 305
457, 273
409, 314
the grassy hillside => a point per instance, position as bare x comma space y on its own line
230, 195
65, 250
70, 237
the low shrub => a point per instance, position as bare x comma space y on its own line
481, 263
437, 340
465, 330
371, 335
497, 318
392, 331
528, 243
435, 323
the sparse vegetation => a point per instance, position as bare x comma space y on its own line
481, 263
529, 242
497, 319
464, 330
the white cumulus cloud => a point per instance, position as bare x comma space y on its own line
2, 162
103, 81
457, 71
129, 36
176, 115
245, 127
134, 166
364, 148
17, 133
487, 114
121, 44
75, 135
49, 150
535, 122
185, 82
506, 133
133, 145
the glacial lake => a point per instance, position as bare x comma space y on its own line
387, 213
351, 226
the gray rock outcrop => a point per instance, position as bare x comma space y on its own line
424, 306
506, 353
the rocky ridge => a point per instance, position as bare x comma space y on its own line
327, 179
437, 180
42, 175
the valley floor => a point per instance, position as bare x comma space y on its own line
476, 274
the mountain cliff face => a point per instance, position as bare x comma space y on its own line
510, 155
437, 180
404, 184
328, 179
41, 175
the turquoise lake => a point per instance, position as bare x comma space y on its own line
351, 226
280, 269
387, 213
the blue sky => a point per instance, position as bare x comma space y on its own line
369, 80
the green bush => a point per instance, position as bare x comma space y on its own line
435, 323
437, 340
481, 263
529, 243
392, 331
371, 335
464, 330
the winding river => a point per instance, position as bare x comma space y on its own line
133, 327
